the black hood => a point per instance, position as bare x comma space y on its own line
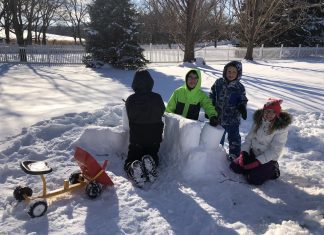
237, 65
142, 82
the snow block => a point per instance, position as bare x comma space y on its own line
103, 140
125, 119
210, 136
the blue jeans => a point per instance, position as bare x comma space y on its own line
234, 138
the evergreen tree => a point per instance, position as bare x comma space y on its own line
307, 32
112, 36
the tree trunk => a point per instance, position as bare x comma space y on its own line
44, 36
7, 33
249, 51
189, 53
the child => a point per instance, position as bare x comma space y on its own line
264, 144
228, 97
187, 99
144, 110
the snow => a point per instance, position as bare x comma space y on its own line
46, 111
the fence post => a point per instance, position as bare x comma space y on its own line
316, 49
150, 52
261, 51
205, 52
281, 49
48, 56
299, 50
228, 51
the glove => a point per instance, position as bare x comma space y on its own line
242, 109
252, 165
213, 121
247, 159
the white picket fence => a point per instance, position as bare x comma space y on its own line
221, 53
50, 54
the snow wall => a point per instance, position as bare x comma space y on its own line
190, 147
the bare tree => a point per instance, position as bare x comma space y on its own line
218, 23
48, 9
5, 18
184, 20
75, 14
16, 9
259, 19
30, 14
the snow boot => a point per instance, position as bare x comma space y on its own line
149, 168
136, 173
231, 157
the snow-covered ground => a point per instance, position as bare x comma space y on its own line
46, 111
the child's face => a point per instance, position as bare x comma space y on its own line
269, 115
192, 80
231, 73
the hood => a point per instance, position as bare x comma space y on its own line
237, 65
197, 87
282, 121
142, 82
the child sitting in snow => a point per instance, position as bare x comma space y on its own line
144, 110
187, 99
228, 97
264, 144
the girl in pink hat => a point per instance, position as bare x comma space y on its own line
264, 143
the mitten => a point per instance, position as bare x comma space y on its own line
242, 109
247, 159
252, 165
213, 121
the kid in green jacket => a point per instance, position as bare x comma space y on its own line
189, 98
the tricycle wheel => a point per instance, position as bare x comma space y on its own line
20, 192
93, 189
37, 208
74, 177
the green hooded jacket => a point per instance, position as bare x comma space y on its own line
187, 102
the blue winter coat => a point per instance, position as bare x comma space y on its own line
228, 95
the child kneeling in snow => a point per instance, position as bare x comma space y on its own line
264, 144
144, 110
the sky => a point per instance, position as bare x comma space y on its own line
46, 112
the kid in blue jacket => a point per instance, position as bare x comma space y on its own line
229, 98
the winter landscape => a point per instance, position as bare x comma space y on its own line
46, 111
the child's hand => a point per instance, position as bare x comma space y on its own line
213, 121
242, 109
247, 161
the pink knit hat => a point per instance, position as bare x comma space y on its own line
273, 104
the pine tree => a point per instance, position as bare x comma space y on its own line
308, 32
112, 36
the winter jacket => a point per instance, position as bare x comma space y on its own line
187, 102
145, 110
228, 95
267, 145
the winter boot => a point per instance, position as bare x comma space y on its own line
136, 173
231, 157
149, 168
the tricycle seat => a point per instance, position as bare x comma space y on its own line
35, 167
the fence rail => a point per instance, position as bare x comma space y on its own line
73, 54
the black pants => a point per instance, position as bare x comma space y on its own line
260, 174
136, 152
